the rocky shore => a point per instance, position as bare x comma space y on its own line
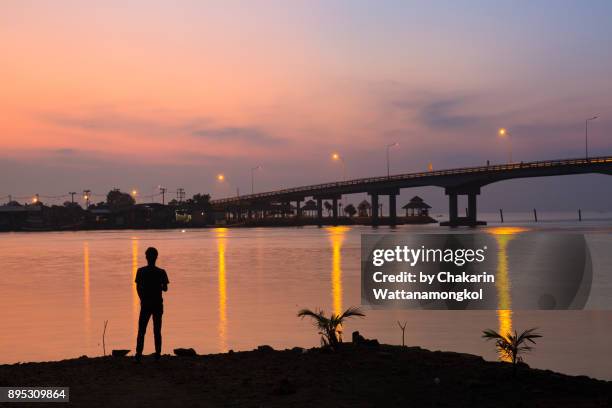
376, 376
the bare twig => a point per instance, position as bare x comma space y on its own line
403, 331
104, 338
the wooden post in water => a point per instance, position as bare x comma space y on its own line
535, 215
579, 215
501, 215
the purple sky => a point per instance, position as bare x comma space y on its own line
174, 93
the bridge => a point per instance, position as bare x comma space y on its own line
460, 181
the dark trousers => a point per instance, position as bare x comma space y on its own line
143, 321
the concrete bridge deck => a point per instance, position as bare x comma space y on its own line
458, 181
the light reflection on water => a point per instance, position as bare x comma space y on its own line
336, 237
503, 235
135, 300
221, 234
504, 312
240, 288
86, 296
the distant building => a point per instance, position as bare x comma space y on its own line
417, 207
13, 217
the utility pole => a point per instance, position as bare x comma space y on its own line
253, 178
163, 193
586, 136
180, 194
72, 193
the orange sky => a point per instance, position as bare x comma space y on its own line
193, 88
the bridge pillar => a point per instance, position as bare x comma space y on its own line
392, 210
335, 210
376, 211
287, 209
298, 210
334, 198
454, 220
472, 208
374, 208
452, 208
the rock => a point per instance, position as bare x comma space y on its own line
185, 352
372, 343
359, 340
264, 347
120, 353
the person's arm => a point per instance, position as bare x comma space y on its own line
164, 283
139, 284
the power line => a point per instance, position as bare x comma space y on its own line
180, 194
89, 194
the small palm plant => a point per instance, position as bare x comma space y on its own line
330, 327
511, 346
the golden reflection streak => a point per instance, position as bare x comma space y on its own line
135, 299
336, 236
86, 293
221, 234
503, 235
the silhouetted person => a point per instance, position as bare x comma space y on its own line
150, 282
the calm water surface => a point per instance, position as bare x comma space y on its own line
240, 288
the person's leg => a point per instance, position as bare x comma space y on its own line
157, 325
143, 321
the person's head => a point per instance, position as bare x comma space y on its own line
151, 254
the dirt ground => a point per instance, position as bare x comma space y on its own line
352, 377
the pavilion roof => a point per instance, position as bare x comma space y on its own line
416, 202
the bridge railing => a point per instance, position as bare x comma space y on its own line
410, 176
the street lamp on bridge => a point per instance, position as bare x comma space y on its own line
221, 179
388, 165
253, 169
504, 134
586, 136
339, 158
